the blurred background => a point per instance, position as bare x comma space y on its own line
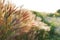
39, 5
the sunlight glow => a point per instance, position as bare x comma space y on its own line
39, 5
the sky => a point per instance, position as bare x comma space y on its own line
39, 5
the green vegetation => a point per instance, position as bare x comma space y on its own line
50, 35
58, 11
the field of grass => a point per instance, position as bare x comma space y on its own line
10, 25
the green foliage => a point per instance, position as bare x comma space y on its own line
58, 11
50, 35
51, 15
